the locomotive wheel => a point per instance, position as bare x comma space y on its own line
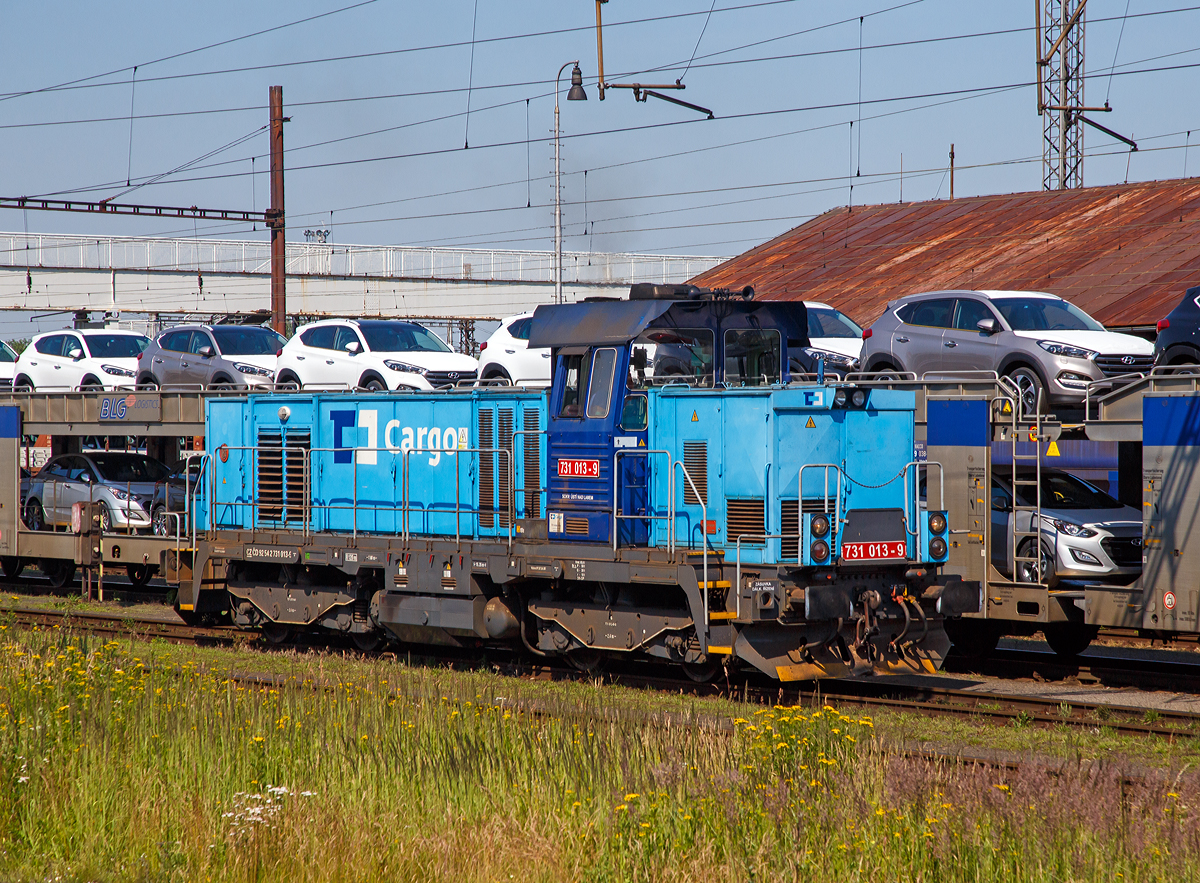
1068, 639
12, 566
139, 574
60, 573
276, 633
367, 642
701, 672
587, 661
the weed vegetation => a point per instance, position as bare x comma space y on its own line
126, 761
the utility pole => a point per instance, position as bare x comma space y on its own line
275, 216
952, 171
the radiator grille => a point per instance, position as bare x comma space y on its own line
811, 506
504, 464
487, 475
1113, 366
695, 461
744, 517
533, 464
789, 526
577, 526
282, 480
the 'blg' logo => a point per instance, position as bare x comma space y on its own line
431, 440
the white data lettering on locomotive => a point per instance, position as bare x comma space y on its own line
431, 441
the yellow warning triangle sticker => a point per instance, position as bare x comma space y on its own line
642, 443
1052, 450
695, 418
810, 424
1007, 408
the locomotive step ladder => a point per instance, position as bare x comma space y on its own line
1027, 514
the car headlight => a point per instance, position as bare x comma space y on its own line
404, 366
1072, 529
253, 369
1062, 349
118, 493
837, 359
118, 371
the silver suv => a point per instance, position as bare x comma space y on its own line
220, 356
1043, 343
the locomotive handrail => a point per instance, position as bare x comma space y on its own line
737, 570
512, 482
837, 500
405, 485
306, 497
703, 541
670, 493
916, 497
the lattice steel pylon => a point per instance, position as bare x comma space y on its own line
1060, 91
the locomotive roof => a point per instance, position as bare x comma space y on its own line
598, 323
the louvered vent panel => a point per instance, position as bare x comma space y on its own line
533, 464
789, 526
504, 464
487, 474
744, 517
695, 461
811, 506
270, 475
577, 527
297, 444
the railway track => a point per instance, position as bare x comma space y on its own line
999, 708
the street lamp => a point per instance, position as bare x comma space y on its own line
576, 94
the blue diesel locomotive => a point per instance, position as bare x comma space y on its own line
680, 492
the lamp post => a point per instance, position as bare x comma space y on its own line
576, 94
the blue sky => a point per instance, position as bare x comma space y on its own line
377, 139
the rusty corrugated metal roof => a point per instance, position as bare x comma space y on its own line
1125, 253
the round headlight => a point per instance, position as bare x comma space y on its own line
839, 398
820, 525
819, 550
937, 522
859, 398
937, 547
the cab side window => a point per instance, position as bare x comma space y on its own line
319, 338
577, 368
604, 365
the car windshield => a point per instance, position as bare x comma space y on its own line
128, 467
830, 323
7, 354
1044, 314
115, 346
401, 337
1061, 490
251, 341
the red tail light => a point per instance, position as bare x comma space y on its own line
1163, 323
483, 346
866, 333
278, 353
139, 355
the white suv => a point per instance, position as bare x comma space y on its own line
88, 359
371, 354
506, 355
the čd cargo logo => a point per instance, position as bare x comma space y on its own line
349, 444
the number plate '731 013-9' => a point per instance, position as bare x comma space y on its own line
874, 551
578, 468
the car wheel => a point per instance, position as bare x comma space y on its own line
372, 384
12, 566
1027, 572
287, 380
139, 574
90, 384
1183, 366
23, 383
494, 372
1069, 638
106, 519
1029, 390
35, 515
886, 371
160, 524
60, 573
147, 381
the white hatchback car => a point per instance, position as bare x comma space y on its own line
80, 359
506, 355
374, 354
